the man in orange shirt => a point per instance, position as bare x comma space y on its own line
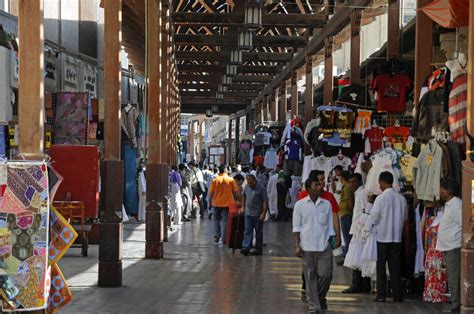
223, 192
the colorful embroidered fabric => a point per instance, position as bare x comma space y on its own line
62, 236
71, 123
24, 213
60, 294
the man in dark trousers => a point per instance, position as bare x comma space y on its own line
388, 215
255, 202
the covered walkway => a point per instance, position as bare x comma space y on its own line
198, 276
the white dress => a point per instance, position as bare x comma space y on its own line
382, 162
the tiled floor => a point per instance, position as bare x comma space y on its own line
198, 276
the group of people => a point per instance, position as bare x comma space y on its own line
317, 216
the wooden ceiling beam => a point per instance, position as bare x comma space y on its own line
218, 78
226, 19
222, 68
238, 94
246, 56
222, 40
213, 101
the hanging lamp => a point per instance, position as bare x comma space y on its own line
236, 57
245, 39
253, 15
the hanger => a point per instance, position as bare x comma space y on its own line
397, 123
374, 124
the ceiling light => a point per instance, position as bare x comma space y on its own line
226, 80
231, 70
236, 57
246, 39
253, 15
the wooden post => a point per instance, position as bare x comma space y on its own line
355, 46
272, 106
154, 212
309, 98
328, 76
393, 35
229, 143
294, 93
237, 137
467, 243
423, 47
265, 108
164, 79
199, 154
191, 140
31, 61
110, 250
282, 102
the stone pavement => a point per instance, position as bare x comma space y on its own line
199, 276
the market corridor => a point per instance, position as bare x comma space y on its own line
198, 276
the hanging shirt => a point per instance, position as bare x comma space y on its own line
392, 92
427, 172
397, 134
360, 203
271, 158
336, 161
293, 150
374, 136
458, 109
388, 215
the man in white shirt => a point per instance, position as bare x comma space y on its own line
359, 284
388, 215
449, 239
312, 228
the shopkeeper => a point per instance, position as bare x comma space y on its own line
449, 239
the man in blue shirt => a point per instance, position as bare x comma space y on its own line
312, 228
255, 202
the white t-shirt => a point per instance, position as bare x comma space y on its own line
450, 227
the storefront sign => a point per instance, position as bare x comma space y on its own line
90, 80
50, 67
70, 73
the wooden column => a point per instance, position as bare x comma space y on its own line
164, 80
110, 251
191, 140
423, 47
355, 46
31, 60
229, 144
272, 106
154, 211
199, 154
265, 108
328, 76
237, 137
393, 35
294, 93
282, 102
467, 243
309, 98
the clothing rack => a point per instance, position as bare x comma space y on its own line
385, 120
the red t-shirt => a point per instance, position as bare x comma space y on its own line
392, 90
375, 136
324, 195
397, 134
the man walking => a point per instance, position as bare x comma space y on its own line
359, 284
197, 187
346, 205
312, 228
223, 191
449, 239
388, 215
255, 201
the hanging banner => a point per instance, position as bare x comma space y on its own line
90, 80
50, 67
70, 74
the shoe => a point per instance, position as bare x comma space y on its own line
244, 252
185, 219
216, 239
255, 253
192, 216
323, 304
209, 216
379, 299
352, 289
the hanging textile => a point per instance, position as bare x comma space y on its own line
72, 111
24, 228
458, 109
448, 13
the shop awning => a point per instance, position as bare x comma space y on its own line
448, 13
